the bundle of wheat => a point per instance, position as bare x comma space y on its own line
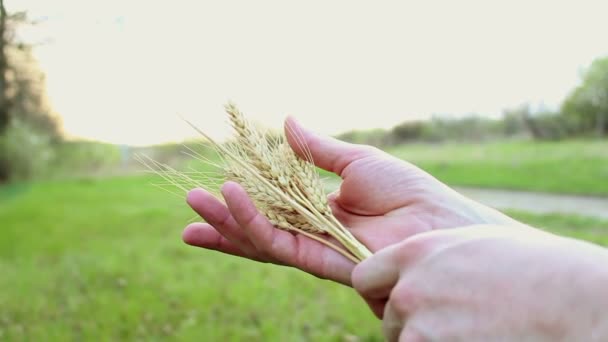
284, 187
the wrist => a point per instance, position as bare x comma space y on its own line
483, 214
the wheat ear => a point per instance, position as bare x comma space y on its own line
284, 187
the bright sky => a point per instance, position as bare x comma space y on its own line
120, 70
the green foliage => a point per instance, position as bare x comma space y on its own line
578, 227
174, 153
103, 260
375, 137
74, 158
588, 103
583, 113
513, 123
408, 131
24, 106
573, 166
26, 151
28, 97
470, 128
5, 103
551, 126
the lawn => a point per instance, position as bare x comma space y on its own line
102, 259
575, 167
578, 227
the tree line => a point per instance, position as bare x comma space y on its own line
30, 132
583, 114
28, 127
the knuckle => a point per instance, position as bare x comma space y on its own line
404, 299
224, 220
416, 247
358, 277
250, 219
369, 151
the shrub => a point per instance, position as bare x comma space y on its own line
24, 152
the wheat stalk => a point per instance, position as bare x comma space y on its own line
284, 187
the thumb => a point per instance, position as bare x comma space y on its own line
325, 152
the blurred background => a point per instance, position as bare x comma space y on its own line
506, 101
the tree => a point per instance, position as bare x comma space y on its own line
27, 93
4, 103
27, 125
588, 103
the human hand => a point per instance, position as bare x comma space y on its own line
382, 200
488, 283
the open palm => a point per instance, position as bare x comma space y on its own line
382, 200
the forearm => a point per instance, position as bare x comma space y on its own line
599, 287
590, 291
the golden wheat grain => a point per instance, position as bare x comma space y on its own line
284, 187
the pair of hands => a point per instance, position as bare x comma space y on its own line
421, 279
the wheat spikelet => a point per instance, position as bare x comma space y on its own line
284, 187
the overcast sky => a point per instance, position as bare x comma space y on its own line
120, 70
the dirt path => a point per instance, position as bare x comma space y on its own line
540, 203
534, 202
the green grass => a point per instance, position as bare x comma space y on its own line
575, 167
578, 227
103, 260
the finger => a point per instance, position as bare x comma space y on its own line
375, 277
392, 323
205, 236
298, 251
327, 153
215, 213
261, 232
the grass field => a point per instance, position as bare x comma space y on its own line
575, 167
103, 260
571, 166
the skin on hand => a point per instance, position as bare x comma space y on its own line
427, 282
382, 200
489, 283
